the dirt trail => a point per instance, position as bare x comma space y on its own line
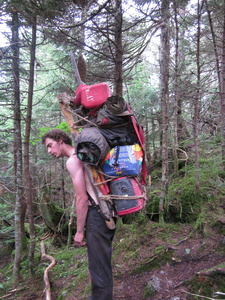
169, 280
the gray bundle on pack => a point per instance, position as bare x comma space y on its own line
91, 146
116, 105
114, 121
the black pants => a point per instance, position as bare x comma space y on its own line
99, 243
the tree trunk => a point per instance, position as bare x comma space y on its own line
196, 104
147, 142
19, 213
71, 221
63, 195
153, 128
118, 47
216, 53
27, 176
176, 93
164, 97
223, 92
180, 132
81, 64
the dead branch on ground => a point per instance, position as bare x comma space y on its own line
52, 264
212, 271
200, 296
11, 293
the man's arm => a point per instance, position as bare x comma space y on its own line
76, 170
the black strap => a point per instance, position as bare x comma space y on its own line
93, 203
117, 150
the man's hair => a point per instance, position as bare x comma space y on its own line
57, 135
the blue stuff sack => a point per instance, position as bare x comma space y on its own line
123, 161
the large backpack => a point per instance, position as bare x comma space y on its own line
116, 128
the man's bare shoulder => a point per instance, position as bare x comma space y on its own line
73, 158
73, 161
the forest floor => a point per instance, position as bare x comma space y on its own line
161, 263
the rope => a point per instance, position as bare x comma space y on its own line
82, 118
120, 197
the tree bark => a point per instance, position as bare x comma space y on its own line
118, 48
222, 98
147, 142
176, 93
71, 220
180, 132
164, 97
27, 175
196, 103
19, 213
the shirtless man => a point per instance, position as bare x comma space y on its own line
98, 236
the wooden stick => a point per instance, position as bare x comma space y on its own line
52, 264
10, 293
204, 297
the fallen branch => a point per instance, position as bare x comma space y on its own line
219, 293
11, 293
184, 240
204, 297
52, 264
212, 271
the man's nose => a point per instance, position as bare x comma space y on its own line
49, 150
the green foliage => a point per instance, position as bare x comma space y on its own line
156, 175
52, 214
136, 219
6, 230
200, 285
129, 247
152, 205
200, 221
206, 286
216, 141
63, 126
6, 216
53, 75
72, 264
184, 203
43, 130
160, 257
148, 291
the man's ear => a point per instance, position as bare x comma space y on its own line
60, 141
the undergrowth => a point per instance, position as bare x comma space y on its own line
133, 252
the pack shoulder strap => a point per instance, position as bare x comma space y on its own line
94, 205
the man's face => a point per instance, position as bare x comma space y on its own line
54, 147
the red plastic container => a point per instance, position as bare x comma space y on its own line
91, 96
127, 186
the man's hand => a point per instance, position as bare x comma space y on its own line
78, 239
